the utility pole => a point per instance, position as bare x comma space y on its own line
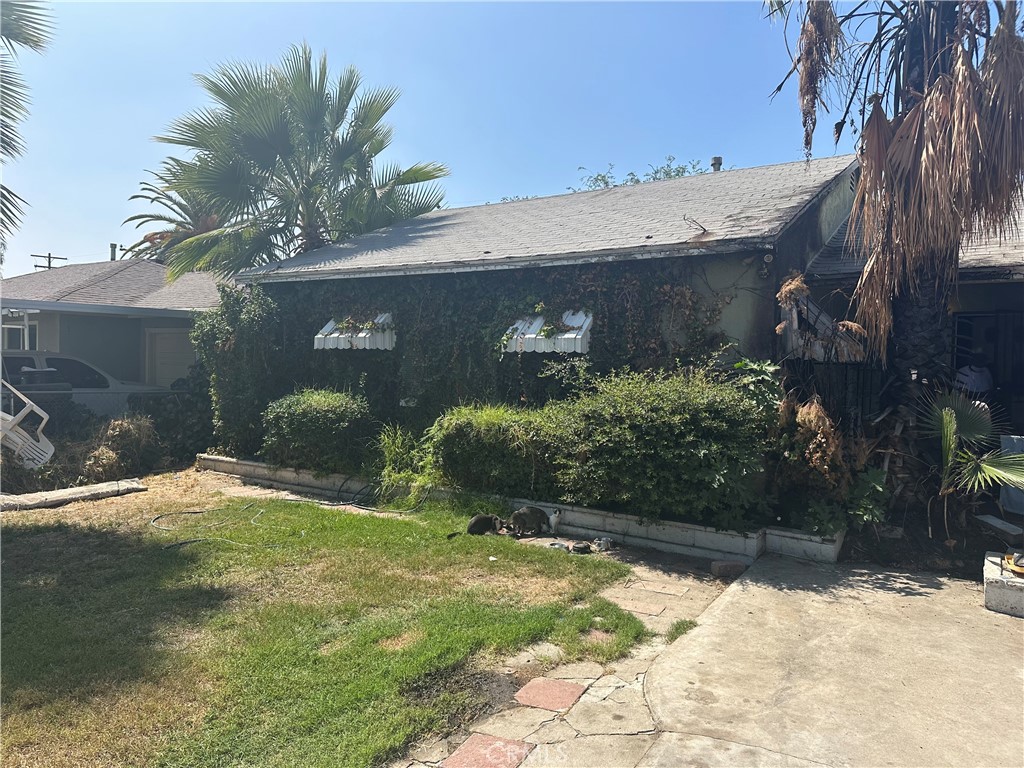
50, 258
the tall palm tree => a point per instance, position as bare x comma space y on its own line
184, 213
286, 157
24, 25
939, 90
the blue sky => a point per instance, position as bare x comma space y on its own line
512, 97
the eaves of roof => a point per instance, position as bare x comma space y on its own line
92, 309
737, 245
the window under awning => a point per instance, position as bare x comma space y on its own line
535, 334
378, 333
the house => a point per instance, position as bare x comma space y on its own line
637, 275
987, 309
122, 316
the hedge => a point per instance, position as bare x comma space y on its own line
681, 446
316, 429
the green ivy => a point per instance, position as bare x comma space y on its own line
236, 344
450, 330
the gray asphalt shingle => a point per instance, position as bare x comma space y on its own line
712, 210
126, 283
841, 259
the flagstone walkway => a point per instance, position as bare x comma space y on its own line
584, 713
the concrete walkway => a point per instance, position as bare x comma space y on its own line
795, 665
799, 664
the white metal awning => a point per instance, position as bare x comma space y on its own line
376, 334
534, 334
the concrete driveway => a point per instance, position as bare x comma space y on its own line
798, 664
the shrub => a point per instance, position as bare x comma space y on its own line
492, 449
183, 419
658, 445
317, 429
236, 345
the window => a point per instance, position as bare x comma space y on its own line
78, 374
14, 336
13, 366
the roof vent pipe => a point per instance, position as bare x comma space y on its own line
716, 163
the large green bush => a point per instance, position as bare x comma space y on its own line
662, 445
492, 449
316, 429
684, 446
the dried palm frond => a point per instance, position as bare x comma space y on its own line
820, 44
851, 327
999, 180
942, 139
792, 290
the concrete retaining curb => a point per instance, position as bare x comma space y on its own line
286, 478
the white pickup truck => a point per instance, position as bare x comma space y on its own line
45, 376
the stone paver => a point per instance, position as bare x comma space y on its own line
555, 731
547, 693
585, 713
623, 711
482, 751
538, 653
430, 751
592, 752
516, 723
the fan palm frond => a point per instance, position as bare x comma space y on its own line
286, 157
24, 25
981, 473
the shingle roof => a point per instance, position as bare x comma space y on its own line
840, 259
714, 211
128, 283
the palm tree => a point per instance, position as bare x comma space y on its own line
286, 157
185, 214
23, 25
939, 90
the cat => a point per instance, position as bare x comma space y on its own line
480, 525
531, 519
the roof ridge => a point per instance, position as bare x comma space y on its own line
647, 185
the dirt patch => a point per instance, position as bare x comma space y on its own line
474, 689
599, 636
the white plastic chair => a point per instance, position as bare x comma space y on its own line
28, 444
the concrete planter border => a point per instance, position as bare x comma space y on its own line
286, 478
805, 546
663, 535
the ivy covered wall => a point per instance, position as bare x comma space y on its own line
647, 314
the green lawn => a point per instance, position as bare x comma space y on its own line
296, 635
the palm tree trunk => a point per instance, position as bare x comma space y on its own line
919, 353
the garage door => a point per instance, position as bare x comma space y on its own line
170, 354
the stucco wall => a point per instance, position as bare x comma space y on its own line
112, 343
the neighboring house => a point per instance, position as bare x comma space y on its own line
601, 257
124, 317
